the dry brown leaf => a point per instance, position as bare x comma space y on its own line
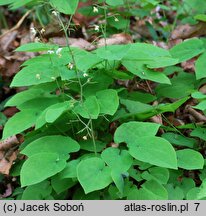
188, 31
115, 39
160, 44
8, 143
197, 115
140, 28
203, 89
74, 42
7, 40
189, 65
6, 161
8, 153
7, 192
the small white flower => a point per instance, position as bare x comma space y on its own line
36, 39
84, 137
116, 19
85, 75
33, 31
58, 52
95, 9
42, 30
53, 78
96, 27
70, 66
55, 13
38, 76
50, 52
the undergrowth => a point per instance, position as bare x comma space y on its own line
86, 136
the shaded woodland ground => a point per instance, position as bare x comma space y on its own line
164, 24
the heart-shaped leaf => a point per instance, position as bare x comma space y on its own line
40, 167
52, 144
93, 174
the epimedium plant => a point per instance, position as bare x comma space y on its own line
73, 100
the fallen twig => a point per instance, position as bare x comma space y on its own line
17, 25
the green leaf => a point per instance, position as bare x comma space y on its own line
118, 179
37, 192
88, 145
20, 122
174, 192
187, 49
117, 160
112, 52
201, 105
40, 167
56, 110
179, 140
182, 85
52, 144
149, 55
171, 107
89, 108
93, 174
17, 4
198, 95
118, 22
189, 159
70, 171
150, 190
3, 2
128, 132
34, 75
141, 111
200, 65
197, 193
144, 146
115, 2
85, 60
52, 113
23, 96
186, 184
108, 105
159, 174
144, 73
199, 132
153, 150
100, 81
60, 185
66, 7
39, 103
201, 17
36, 47
145, 52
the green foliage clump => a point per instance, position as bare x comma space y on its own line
72, 101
